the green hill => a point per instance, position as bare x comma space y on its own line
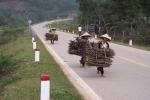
36, 10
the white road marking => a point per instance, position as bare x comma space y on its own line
132, 61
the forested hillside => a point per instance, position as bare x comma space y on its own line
122, 19
17, 11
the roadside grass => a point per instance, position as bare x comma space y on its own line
9, 34
23, 83
133, 46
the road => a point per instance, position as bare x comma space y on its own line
128, 78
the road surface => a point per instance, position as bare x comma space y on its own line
128, 78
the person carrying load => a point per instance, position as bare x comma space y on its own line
52, 36
103, 45
85, 37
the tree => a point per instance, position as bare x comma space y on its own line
126, 18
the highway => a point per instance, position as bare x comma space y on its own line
128, 78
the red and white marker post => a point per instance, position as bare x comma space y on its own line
33, 39
37, 55
45, 87
34, 45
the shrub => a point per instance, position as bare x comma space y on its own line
7, 64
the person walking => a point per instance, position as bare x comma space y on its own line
103, 45
79, 30
85, 37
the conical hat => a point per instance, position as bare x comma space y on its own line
86, 34
106, 36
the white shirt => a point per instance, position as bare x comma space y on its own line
104, 45
79, 29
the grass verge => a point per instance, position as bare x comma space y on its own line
23, 83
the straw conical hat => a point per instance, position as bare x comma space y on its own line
86, 34
106, 36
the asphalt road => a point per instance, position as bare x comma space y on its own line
128, 78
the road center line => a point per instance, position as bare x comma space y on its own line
132, 61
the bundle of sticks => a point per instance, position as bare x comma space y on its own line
77, 47
93, 55
100, 52
99, 57
51, 36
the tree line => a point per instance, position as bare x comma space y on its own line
123, 20
36, 10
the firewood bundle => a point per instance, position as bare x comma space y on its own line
99, 62
51, 36
92, 54
99, 57
77, 47
100, 52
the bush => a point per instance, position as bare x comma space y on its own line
6, 64
141, 39
4, 40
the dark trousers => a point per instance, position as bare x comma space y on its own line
79, 33
100, 69
52, 41
82, 61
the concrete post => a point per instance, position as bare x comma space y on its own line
45, 87
37, 55
130, 42
34, 45
33, 39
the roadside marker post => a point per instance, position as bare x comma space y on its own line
130, 42
34, 45
37, 55
33, 39
45, 87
